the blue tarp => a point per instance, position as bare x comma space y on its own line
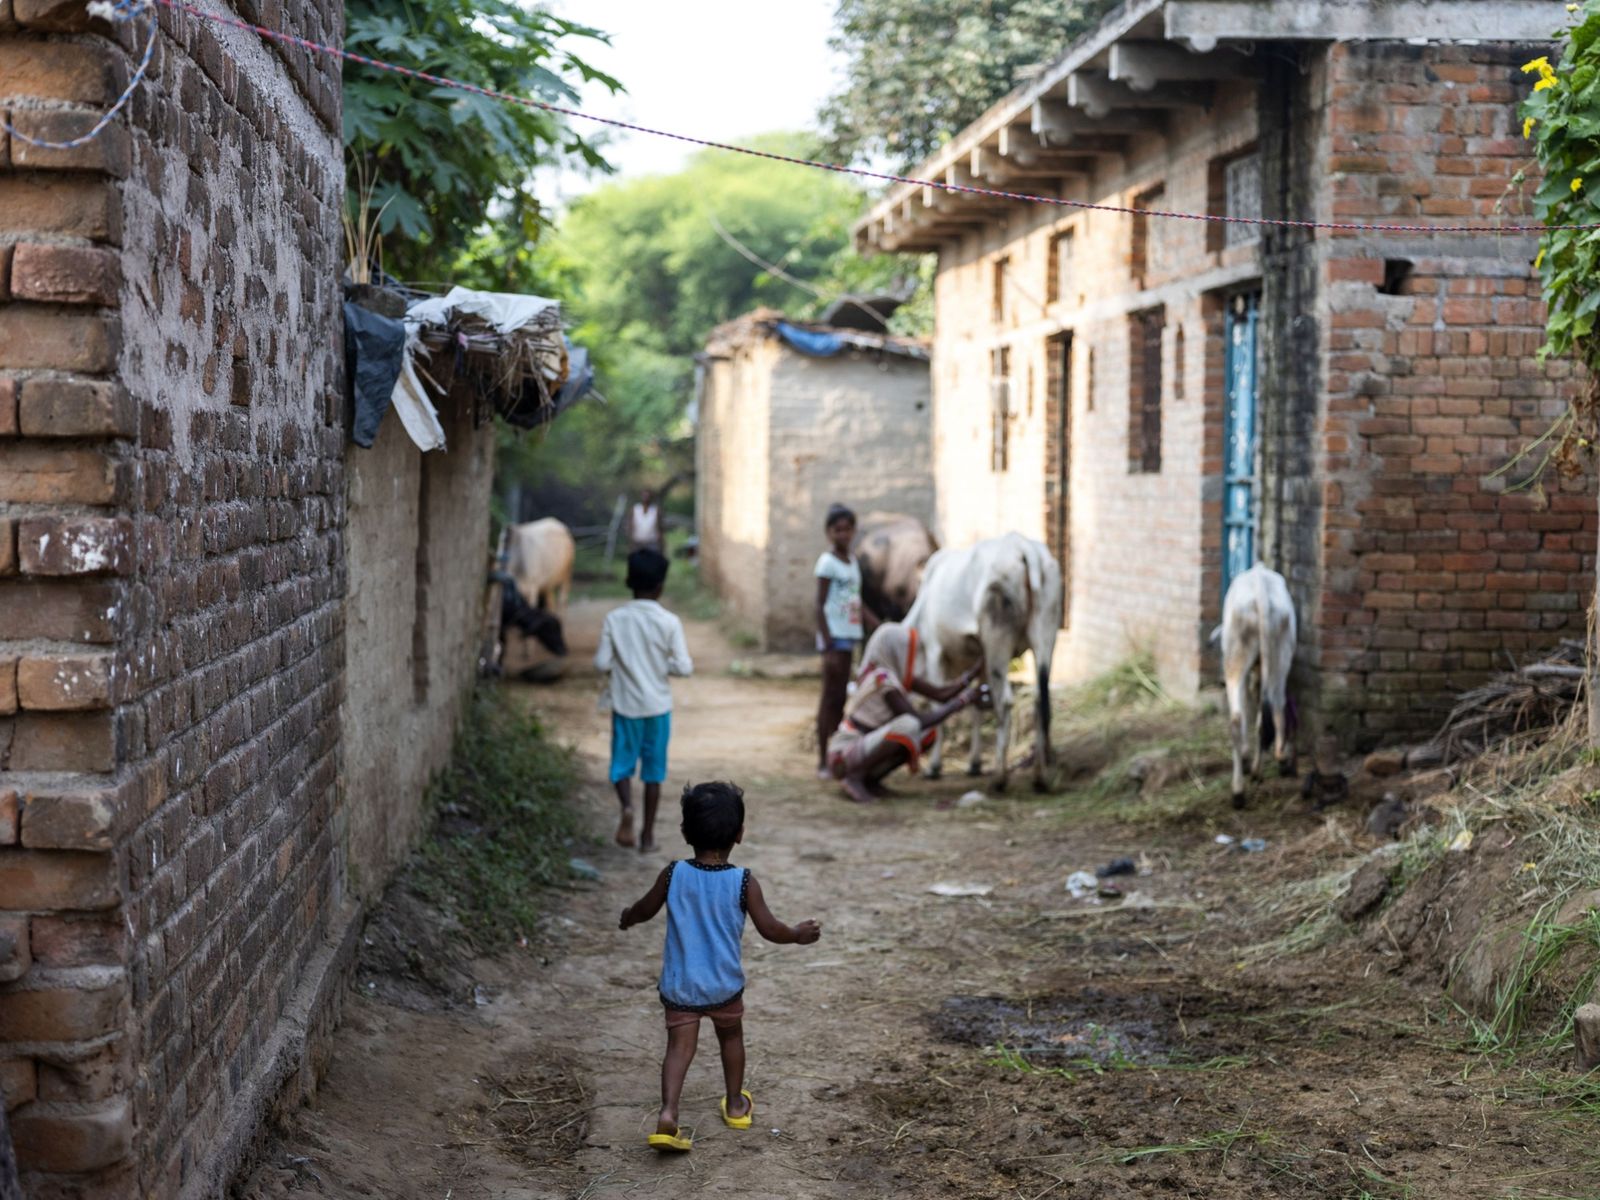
807, 341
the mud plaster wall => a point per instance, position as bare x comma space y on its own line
853, 429
405, 681
732, 471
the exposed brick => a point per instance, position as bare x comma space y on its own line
53, 879
8, 816
65, 274
72, 1139
81, 612
15, 958
8, 685
72, 206
85, 1078
9, 408
59, 16
62, 940
77, 820
65, 684
75, 408
19, 1081
107, 153
75, 545
37, 338
61, 1014
5, 251
61, 742
86, 72
31, 473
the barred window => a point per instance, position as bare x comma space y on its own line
1144, 390
1242, 191
1000, 407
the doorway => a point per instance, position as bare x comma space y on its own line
1058, 461
1240, 480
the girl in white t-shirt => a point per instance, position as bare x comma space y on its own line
840, 624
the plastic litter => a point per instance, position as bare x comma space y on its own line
480, 998
1253, 845
971, 799
961, 889
1117, 866
584, 870
1110, 891
1225, 839
886, 873
1081, 884
1461, 841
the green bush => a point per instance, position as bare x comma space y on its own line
504, 821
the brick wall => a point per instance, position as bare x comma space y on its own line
171, 571
1435, 571
1118, 523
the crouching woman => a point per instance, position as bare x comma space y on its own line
882, 730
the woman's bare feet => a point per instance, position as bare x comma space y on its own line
856, 790
625, 834
647, 844
667, 1124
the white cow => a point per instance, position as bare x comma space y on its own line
988, 603
1258, 636
540, 560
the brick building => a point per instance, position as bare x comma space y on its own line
792, 419
1166, 401
232, 647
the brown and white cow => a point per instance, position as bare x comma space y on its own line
893, 550
540, 555
988, 603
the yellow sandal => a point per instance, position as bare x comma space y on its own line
665, 1142
743, 1122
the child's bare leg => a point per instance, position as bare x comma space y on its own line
830, 709
625, 826
681, 1040
647, 831
730, 1040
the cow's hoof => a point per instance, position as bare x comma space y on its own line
1041, 786
1286, 769
975, 769
1000, 786
933, 773
1238, 799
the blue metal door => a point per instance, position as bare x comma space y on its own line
1239, 456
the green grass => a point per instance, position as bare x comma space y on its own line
503, 822
1007, 1058
1221, 1141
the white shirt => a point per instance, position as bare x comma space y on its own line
842, 607
641, 645
645, 523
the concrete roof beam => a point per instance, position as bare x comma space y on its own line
1057, 125
1143, 66
1099, 96
1206, 24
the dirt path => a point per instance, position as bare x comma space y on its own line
1016, 1044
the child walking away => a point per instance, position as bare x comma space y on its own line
702, 972
641, 645
839, 624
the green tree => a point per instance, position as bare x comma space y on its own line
644, 275
918, 71
441, 161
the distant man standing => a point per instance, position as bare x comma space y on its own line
644, 524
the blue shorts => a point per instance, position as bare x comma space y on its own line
642, 742
838, 645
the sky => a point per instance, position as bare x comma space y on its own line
717, 69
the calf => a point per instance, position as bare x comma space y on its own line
1258, 636
893, 550
988, 603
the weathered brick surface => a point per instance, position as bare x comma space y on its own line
74, 408
15, 955
65, 274
171, 560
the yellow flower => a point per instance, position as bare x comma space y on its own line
1527, 127
1541, 65
1539, 262
1577, 185
1572, 8
1549, 81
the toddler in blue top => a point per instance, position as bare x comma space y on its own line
702, 973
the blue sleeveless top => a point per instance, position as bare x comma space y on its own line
701, 966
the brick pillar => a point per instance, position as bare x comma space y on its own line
65, 552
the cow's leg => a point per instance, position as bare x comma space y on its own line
975, 753
1252, 699
1237, 667
1277, 651
999, 682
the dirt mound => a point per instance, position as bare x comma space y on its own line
412, 956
